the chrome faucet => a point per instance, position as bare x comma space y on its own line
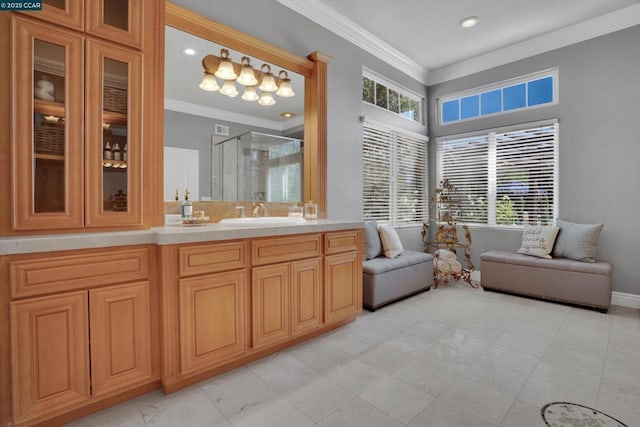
257, 209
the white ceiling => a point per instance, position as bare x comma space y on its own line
424, 38
183, 73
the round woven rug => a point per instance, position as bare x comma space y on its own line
566, 414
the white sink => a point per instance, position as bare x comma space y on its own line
263, 221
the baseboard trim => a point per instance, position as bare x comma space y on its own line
625, 300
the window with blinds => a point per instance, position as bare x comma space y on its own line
394, 176
506, 177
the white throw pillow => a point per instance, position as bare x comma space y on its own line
391, 244
538, 241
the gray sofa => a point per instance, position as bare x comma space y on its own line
386, 280
558, 279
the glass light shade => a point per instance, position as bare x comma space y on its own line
209, 83
268, 83
250, 94
267, 99
247, 77
229, 89
285, 89
225, 70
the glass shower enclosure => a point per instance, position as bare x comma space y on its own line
256, 166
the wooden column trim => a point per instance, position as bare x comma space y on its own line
315, 133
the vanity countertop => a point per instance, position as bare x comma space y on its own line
166, 235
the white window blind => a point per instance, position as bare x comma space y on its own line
394, 176
505, 177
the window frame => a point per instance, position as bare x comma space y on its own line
492, 167
501, 85
390, 85
396, 134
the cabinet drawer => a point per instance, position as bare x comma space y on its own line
345, 241
64, 273
204, 259
269, 251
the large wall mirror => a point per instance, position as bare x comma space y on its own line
236, 149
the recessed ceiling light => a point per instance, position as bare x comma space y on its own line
469, 22
287, 115
188, 51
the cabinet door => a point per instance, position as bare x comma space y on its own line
120, 322
212, 320
49, 354
116, 20
270, 304
113, 115
48, 134
69, 13
342, 286
306, 295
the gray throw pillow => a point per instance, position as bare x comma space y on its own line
372, 244
577, 241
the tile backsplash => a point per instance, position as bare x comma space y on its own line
220, 210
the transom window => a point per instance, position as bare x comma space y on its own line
529, 91
505, 177
385, 94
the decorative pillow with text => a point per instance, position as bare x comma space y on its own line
538, 241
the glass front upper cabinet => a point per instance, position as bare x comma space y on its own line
48, 168
116, 20
113, 152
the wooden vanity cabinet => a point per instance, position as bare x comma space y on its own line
342, 275
235, 301
213, 323
85, 343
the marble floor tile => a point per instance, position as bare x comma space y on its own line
385, 358
238, 392
397, 398
620, 400
538, 393
319, 356
124, 415
189, 407
512, 359
450, 357
284, 372
427, 376
358, 413
527, 339
319, 398
480, 400
408, 343
496, 376
566, 376
278, 413
355, 375
522, 414
443, 414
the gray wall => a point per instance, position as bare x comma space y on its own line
278, 25
599, 118
194, 132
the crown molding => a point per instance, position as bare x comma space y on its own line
329, 18
228, 116
596, 27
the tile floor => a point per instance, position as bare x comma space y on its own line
453, 356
